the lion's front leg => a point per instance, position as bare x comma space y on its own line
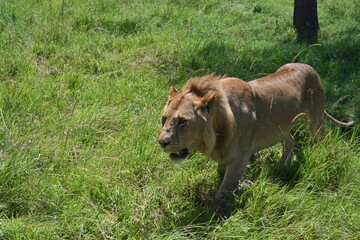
221, 170
288, 145
233, 173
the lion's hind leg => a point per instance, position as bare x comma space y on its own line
314, 108
288, 146
316, 124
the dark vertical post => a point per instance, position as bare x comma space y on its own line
306, 20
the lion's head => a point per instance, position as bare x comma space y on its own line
193, 119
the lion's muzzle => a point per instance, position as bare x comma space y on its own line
174, 156
163, 143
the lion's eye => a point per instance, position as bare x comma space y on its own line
163, 120
182, 121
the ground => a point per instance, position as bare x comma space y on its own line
83, 85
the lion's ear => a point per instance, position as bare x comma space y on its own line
173, 92
206, 99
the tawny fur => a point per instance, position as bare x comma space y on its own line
229, 119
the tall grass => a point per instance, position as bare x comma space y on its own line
82, 86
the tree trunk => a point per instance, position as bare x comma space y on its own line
306, 20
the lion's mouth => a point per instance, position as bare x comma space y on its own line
178, 157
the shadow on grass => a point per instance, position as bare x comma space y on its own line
204, 208
244, 59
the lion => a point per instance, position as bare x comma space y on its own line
228, 119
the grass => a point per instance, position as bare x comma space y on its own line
83, 84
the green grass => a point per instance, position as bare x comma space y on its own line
82, 88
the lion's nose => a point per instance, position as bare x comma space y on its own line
164, 142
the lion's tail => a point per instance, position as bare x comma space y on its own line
349, 124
